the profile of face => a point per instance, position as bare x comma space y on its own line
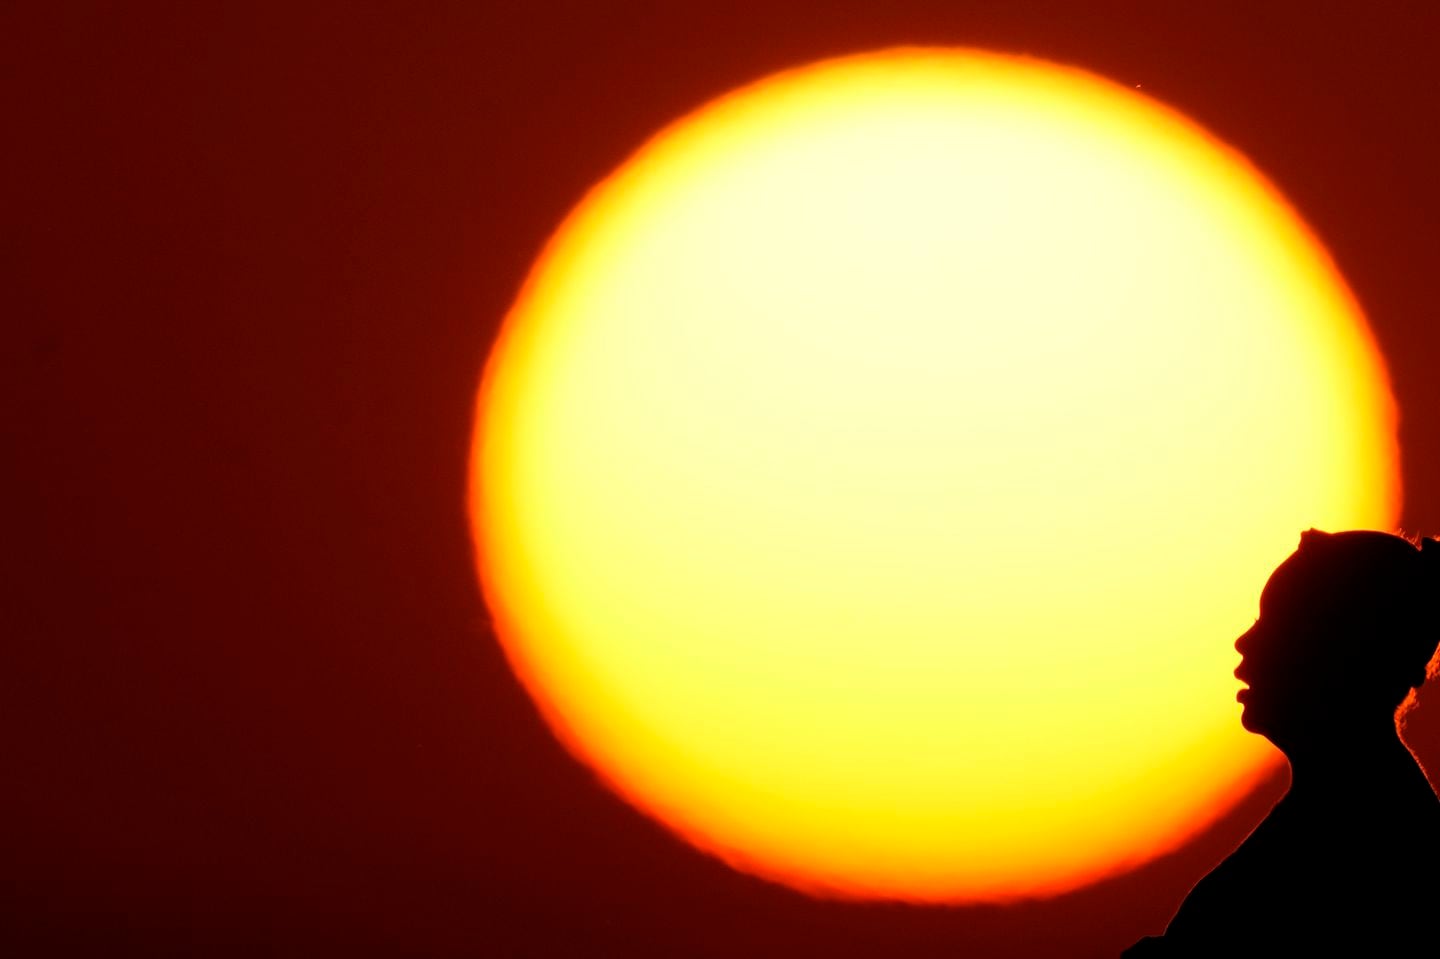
1331, 649
1285, 684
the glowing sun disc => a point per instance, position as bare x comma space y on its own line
875, 471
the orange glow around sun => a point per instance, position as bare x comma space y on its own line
875, 471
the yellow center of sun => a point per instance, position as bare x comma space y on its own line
875, 471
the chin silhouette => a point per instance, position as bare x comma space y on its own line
1347, 632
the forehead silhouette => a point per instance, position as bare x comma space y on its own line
1331, 571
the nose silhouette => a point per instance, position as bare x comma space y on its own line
1242, 643
1243, 640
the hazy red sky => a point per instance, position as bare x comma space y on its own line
254, 260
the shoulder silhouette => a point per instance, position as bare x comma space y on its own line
1347, 632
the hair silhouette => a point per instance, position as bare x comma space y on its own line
1347, 631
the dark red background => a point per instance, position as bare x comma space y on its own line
253, 259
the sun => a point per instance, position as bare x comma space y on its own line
875, 471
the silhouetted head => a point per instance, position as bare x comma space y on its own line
1347, 630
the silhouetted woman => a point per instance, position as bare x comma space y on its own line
1345, 863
